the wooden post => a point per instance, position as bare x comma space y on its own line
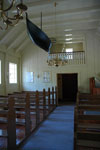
37, 108
53, 97
49, 107
77, 99
44, 104
78, 102
56, 97
75, 127
11, 126
27, 116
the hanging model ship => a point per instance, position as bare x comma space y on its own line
38, 36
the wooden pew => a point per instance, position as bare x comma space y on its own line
10, 130
52, 95
45, 101
36, 103
42, 101
87, 122
22, 124
51, 98
27, 104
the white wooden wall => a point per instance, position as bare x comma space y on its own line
5, 58
34, 60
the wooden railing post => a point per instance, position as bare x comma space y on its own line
37, 108
27, 116
77, 99
56, 97
53, 97
11, 125
49, 107
44, 104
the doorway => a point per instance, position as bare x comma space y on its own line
67, 87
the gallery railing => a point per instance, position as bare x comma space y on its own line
63, 58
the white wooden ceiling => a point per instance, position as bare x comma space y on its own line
68, 17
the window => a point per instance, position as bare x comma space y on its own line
12, 73
69, 52
46, 76
29, 77
0, 71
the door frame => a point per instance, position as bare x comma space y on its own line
78, 79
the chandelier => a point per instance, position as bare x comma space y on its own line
57, 59
12, 20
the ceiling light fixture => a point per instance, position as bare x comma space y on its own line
57, 59
68, 34
68, 39
68, 30
13, 19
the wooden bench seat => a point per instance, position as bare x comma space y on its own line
3, 112
18, 121
87, 122
23, 113
89, 126
89, 102
89, 143
88, 135
3, 120
3, 133
88, 117
89, 107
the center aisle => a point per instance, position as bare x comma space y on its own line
56, 133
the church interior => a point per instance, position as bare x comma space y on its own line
49, 75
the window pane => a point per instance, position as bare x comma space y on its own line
69, 51
12, 73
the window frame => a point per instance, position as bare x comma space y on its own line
15, 71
